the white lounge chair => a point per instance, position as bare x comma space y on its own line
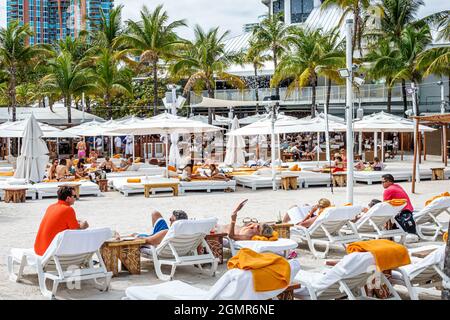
68, 259
327, 229
235, 284
425, 273
428, 227
371, 224
346, 279
179, 247
279, 246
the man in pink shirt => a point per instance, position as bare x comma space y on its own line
394, 191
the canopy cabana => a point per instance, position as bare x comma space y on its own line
441, 119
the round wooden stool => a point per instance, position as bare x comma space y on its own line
15, 195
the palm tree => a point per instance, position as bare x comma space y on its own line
384, 59
111, 79
396, 15
15, 54
109, 29
413, 42
357, 8
68, 78
256, 56
152, 39
202, 60
306, 59
272, 34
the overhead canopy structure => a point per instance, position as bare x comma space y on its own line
17, 130
218, 121
57, 117
385, 122
219, 103
257, 117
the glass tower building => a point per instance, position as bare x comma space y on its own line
52, 20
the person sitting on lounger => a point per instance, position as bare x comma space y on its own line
59, 217
338, 165
62, 173
377, 164
309, 219
160, 227
187, 174
246, 232
216, 174
51, 172
80, 170
107, 165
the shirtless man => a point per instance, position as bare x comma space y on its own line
246, 232
108, 165
62, 173
81, 146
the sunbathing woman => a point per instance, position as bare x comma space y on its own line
216, 174
51, 173
315, 211
80, 170
246, 232
187, 174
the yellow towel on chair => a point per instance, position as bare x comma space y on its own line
7, 174
396, 202
445, 237
130, 180
445, 194
270, 271
388, 254
295, 168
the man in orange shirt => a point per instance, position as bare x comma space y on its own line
59, 216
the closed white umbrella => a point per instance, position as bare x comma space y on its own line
33, 160
235, 147
174, 153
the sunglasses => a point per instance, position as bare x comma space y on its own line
248, 220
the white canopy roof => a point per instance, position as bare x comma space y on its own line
257, 117
16, 130
218, 103
164, 124
218, 121
385, 122
288, 126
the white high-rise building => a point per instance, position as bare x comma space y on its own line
295, 11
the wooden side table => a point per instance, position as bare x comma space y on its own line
149, 186
437, 174
75, 186
288, 294
15, 195
339, 179
283, 229
289, 182
215, 242
127, 252
103, 185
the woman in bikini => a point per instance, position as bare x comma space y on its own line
81, 146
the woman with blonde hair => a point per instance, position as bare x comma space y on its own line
309, 219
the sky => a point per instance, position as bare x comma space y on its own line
228, 14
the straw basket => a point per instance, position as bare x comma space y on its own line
283, 229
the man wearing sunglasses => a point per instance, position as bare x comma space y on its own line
59, 217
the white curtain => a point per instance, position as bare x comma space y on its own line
235, 147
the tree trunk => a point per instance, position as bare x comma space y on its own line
275, 65
68, 102
88, 104
446, 291
405, 101
327, 102
155, 88
12, 93
355, 30
389, 99
256, 88
210, 95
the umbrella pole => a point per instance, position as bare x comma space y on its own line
167, 155
57, 148
132, 150
279, 147
382, 146
272, 153
424, 146
375, 144
18, 146
111, 146
360, 143
317, 149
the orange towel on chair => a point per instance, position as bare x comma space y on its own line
7, 174
270, 271
396, 202
388, 254
131, 180
445, 194
445, 237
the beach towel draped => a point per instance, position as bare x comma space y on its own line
274, 237
445, 194
388, 255
270, 271
131, 180
445, 237
396, 202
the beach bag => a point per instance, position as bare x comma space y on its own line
382, 292
406, 220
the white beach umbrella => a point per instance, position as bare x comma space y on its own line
174, 153
235, 147
17, 129
33, 160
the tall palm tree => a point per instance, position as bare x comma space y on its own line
111, 79
109, 29
396, 15
256, 56
15, 54
357, 8
272, 34
203, 59
413, 42
152, 39
385, 59
305, 60
68, 78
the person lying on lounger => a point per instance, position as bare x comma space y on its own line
364, 210
246, 232
160, 227
216, 174
309, 219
